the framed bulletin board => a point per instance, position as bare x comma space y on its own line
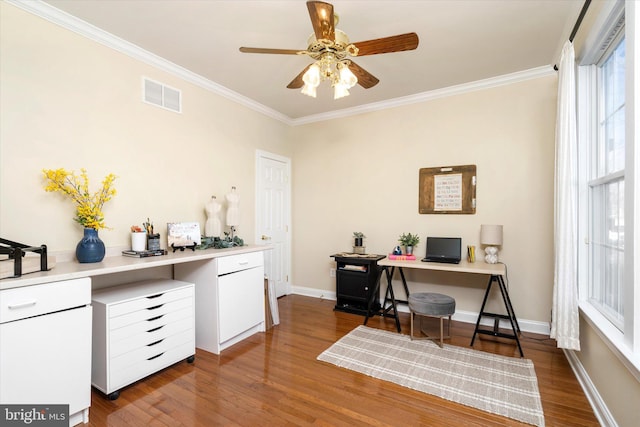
447, 190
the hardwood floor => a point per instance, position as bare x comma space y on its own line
274, 379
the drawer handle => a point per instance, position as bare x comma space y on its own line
156, 356
156, 329
243, 262
154, 343
155, 296
22, 305
155, 307
155, 318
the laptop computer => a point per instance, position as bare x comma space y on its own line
443, 249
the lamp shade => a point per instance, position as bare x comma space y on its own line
491, 235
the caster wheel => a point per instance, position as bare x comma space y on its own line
191, 359
114, 395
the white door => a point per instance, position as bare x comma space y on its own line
273, 218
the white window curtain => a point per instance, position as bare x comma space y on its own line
565, 318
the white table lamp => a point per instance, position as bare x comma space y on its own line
491, 235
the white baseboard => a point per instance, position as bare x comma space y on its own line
532, 326
313, 292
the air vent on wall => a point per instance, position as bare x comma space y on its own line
161, 95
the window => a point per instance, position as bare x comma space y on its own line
608, 182
606, 187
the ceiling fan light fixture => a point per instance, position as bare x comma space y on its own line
340, 91
330, 48
312, 76
309, 90
347, 78
311, 80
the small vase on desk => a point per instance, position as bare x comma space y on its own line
90, 248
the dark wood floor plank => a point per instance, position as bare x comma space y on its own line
274, 379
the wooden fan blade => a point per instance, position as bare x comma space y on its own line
266, 50
297, 83
322, 19
365, 78
397, 43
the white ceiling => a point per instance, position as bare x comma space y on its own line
461, 41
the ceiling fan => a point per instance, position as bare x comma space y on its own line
330, 48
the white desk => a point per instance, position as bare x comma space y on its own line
496, 272
117, 264
60, 343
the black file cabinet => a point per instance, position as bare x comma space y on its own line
356, 277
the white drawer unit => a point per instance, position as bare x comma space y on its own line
45, 339
229, 298
138, 329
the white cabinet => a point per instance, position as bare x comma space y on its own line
138, 329
229, 298
45, 334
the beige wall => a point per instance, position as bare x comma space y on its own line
361, 174
619, 390
70, 102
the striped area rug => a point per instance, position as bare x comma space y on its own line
501, 385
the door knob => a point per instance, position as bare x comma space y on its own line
266, 237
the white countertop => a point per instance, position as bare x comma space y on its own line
119, 263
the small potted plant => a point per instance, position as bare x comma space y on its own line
409, 240
358, 247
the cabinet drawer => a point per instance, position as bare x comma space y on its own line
140, 369
150, 351
28, 301
229, 264
148, 302
150, 324
148, 338
149, 313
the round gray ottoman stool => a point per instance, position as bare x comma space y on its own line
431, 304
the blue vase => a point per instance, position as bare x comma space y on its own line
90, 248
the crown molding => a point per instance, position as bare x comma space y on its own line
70, 22
492, 82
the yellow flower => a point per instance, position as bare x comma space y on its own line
88, 206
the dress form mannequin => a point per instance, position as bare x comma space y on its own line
233, 213
213, 226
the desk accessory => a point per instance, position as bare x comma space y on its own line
15, 258
491, 235
153, 239
144, 253
402, 257
138, 241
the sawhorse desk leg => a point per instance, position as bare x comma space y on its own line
511, 315
388, 297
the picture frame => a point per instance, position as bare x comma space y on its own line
447, 190
183, 234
